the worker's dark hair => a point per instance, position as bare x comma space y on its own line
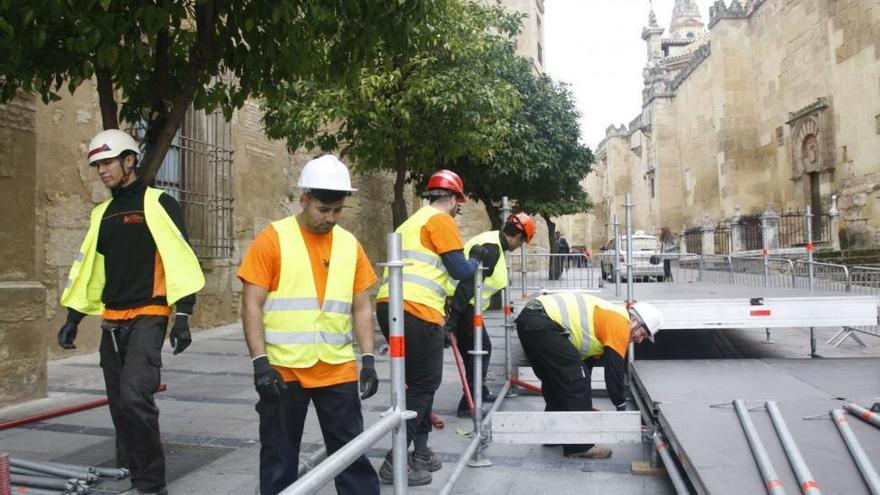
327, 195
125, 154
434, 195
512, 230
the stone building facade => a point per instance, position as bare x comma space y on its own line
773, 102
231, 180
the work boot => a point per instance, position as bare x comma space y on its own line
416, 472
594, 452
465, 413
428, 459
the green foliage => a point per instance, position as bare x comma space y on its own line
540, 162
162, 55
412, 110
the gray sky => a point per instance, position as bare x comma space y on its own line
596, 46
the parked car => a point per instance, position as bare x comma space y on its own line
647, 262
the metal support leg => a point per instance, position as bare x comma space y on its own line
768, 340
478, 460
842, 335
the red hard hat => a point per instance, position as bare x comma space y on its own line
524, 223
449, 180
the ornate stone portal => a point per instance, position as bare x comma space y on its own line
812, 147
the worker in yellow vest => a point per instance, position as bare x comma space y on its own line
565, 334
135, 263
432, 246
517, 229
304, 302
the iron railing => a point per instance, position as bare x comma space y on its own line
793, 229
197, 171
550, 271
722, 239
693, 239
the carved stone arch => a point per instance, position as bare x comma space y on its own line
805, 146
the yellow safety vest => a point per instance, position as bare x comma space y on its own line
183, 275
425, 280
300, 331
498, 279
574, 312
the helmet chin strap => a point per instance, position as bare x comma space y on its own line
125, 175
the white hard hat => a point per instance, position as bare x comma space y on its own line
650, 316
110, 144
325, 172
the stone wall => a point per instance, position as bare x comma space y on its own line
782, 106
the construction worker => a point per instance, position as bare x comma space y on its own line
134, 264
564, 335
432, 246
517, 229
304, 301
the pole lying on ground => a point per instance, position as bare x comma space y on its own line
860, 412
475, 441
857, 452
678, 482
477, 353
771, 481
798, 465
48, 468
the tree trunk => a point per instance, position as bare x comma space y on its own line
493, 211
109, 110
162, 127
554, 267
398, 207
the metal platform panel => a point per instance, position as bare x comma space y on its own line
710, 443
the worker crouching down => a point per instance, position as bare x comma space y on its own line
564, 335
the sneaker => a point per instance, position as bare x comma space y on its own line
427, 460
594, 452
417, 474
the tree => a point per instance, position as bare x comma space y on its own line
161, 56
540, 163
414, 109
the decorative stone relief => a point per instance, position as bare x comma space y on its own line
812, 148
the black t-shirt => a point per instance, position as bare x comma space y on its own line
130, 256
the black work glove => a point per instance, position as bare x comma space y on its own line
478, 252
67, 335
266, 378
180, 337
369, 378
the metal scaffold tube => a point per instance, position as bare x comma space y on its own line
477, 354
857, 452
615, 224
630, 355
393, 420
771, 480
860, 412
398, 353
506, 303
678, 482
798, 465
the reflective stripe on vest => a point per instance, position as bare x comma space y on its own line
425, 280
183, 275
299, 331
498, 279
574, 312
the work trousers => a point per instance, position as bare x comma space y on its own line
565, 380
464, 335
131, 376
282, 420
424, 367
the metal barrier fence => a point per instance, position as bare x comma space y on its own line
532, 272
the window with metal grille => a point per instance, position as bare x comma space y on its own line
197, 171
